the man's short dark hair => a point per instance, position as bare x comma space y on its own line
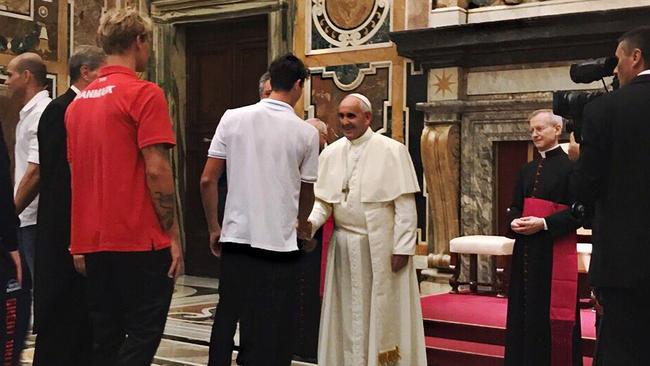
36, 67
638, 38
285, 70
91, 56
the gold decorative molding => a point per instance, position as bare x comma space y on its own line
189, 11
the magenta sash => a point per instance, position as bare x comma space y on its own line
564, 284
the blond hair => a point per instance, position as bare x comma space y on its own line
119, 28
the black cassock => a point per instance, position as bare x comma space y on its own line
60, 313
528, 339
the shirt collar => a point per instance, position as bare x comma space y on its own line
644, 72
543, 153
363, 138
75, 89
33, 102
276, 104
116, 69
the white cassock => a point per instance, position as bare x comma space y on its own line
371, 316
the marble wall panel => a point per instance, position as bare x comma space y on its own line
86, 21
417, 13
328, 89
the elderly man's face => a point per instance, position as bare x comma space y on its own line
354, 121
544, 132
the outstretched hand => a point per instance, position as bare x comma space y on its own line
303, 230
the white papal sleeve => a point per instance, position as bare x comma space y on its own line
406, 223
319, 214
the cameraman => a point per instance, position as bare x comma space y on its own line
613, 177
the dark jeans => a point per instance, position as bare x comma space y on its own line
622, 331
260, 287
26, 244
128, 298
15, 303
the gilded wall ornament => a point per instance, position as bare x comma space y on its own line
349, 23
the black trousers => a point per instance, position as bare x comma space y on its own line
128, 298
66, 339
261, 287
622, 330
15, 304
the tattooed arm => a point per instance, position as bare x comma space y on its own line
160, 181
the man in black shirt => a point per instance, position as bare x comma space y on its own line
15, 283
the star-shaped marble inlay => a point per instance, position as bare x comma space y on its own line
444, 83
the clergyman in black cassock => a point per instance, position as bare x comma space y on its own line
61, 319
528, 335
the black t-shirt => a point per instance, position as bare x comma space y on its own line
8, 218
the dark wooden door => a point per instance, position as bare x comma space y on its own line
510, 157
224, 61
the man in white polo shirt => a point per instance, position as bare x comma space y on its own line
27, 81
271, 157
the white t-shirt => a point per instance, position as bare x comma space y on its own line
269, 151
27, 148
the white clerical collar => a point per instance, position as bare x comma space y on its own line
543, 153
644, 72
75, 89
363, 138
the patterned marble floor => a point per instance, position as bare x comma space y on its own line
187, 332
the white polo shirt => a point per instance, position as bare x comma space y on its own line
26, 150
269, 151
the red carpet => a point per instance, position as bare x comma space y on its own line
470, 330
484, 311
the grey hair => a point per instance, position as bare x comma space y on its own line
91, 56
263, 79
553, 119
320, 125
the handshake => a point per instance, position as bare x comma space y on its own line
305, 241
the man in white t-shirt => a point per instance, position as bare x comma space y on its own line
27, 81
271, 157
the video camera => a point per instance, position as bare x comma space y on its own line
570, 104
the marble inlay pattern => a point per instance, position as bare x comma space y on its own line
327, 90
341, 24
186, 339
27, 25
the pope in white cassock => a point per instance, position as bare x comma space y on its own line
371, 308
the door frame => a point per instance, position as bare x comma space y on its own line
168, 66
